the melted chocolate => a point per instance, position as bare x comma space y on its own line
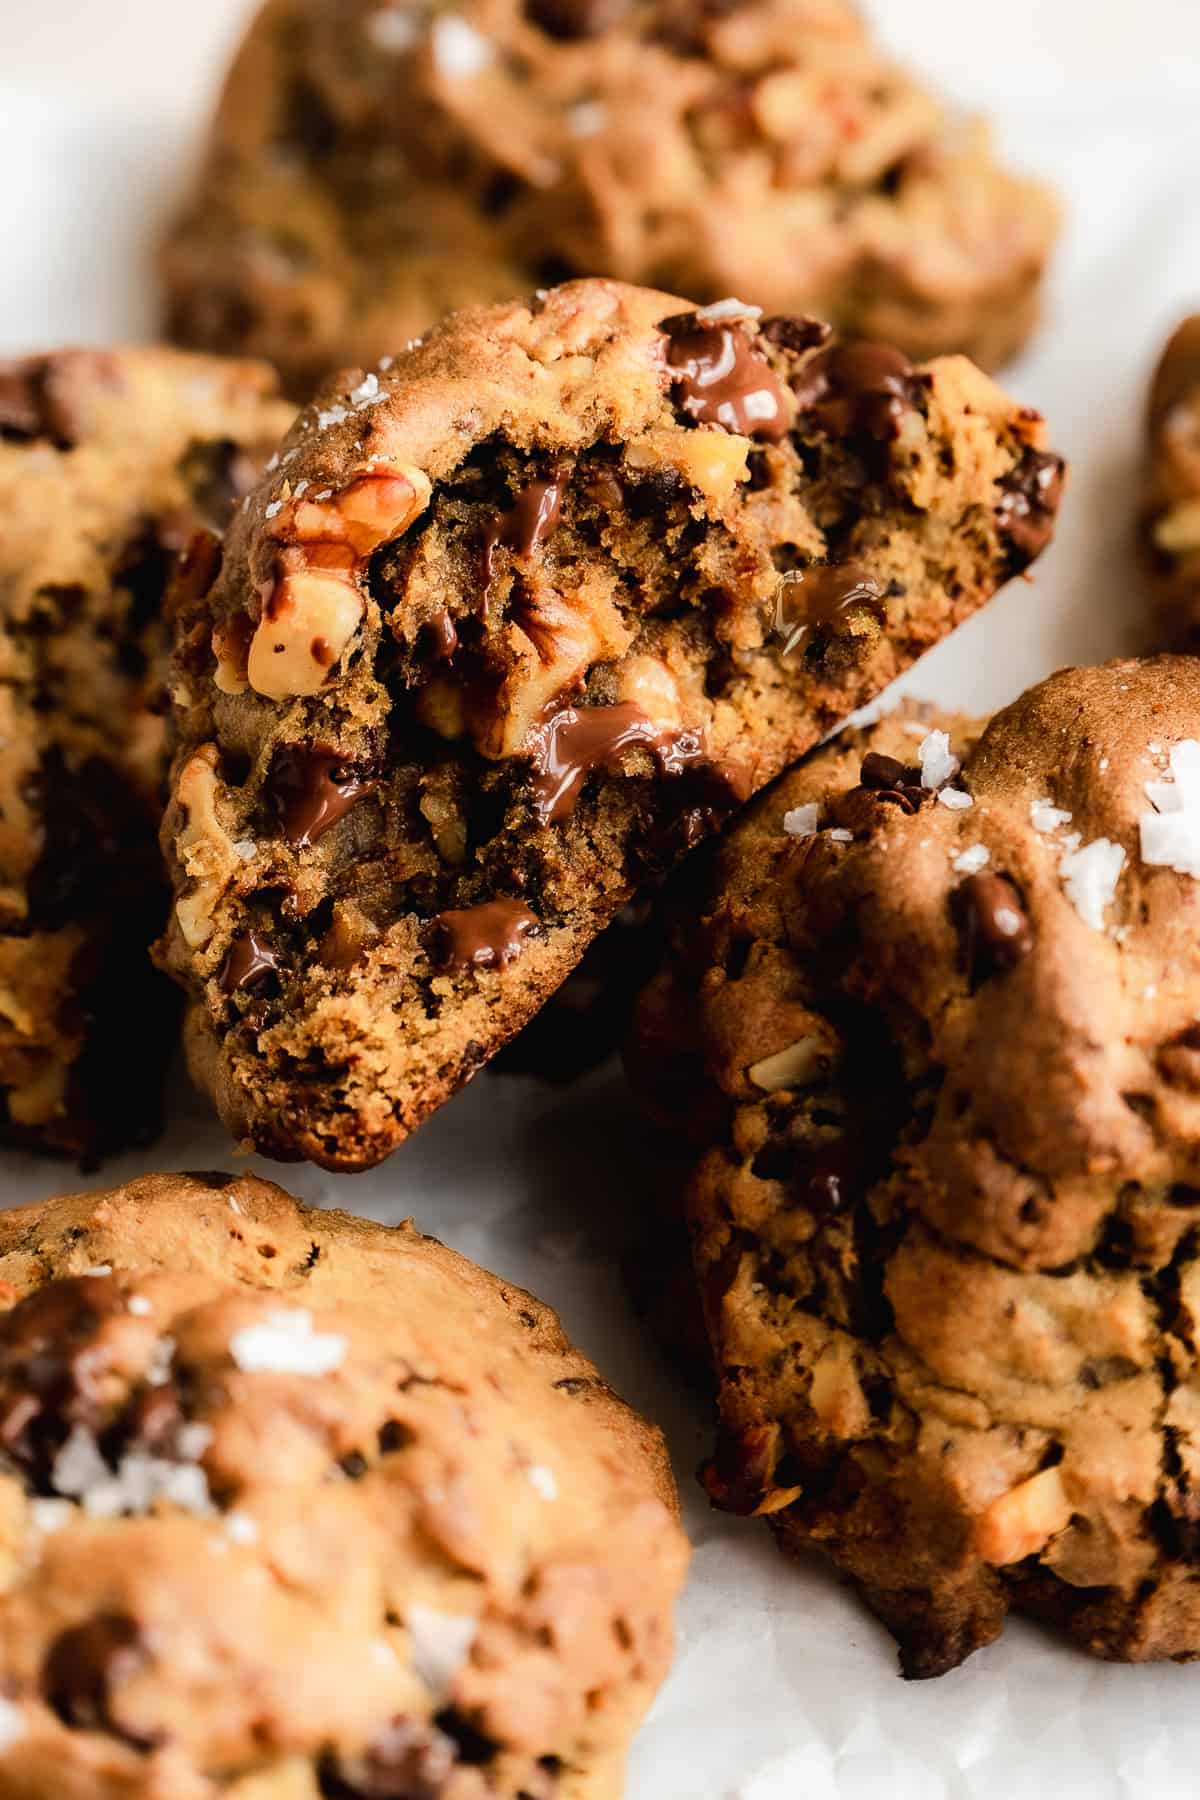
796, 333
442, 634
313, 787
858, 389
573, 19
998, 932
532, 518
82, 1668
572, 742
250, 959
825, 598
721, 379
489, 936
740, 1475
36, 402
893, 781
50, 1367
407, 1761
1029, 506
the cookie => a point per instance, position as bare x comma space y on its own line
931, 1027
109, 461
1170, 516
297, 1506
511, 625
373, 165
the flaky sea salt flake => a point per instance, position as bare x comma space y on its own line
801, 821
439, 1644
459, 51
971, 861
284, 1343
1089, 876
957, 799
938, 763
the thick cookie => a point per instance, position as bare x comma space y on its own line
296, 1506
509, 626
373, 165
933, 1029
109, 462
1170, 520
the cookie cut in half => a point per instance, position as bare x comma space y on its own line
373, 165
1170, 517
932, 1022
109, 462
298, 1507
511, 625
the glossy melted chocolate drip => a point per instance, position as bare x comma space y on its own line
84, 1666
858, 389
489, 936
250, 959
313, 787
531, 519
998, 932
1029, 505
721, 379
825, 598
575, 740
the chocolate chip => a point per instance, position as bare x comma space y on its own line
573, 19
997, 928
721, 379
570, 742
441, 634
796, 334
826, 598
858, 389
489, 936
879, 771
250, 959
51, 1369
83, 1667
313, 786
739, 1476
532, 518
1028, 506
406, 1761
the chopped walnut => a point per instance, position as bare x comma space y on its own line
712, 460
204, 847
1022, 1522
308, 620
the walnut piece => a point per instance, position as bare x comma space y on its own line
308, 620
203, 846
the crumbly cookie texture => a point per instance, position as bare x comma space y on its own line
1170, 518
373, 165
109, 462
932, 1025
509, 626
298, 1507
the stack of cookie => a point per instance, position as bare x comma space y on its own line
424, 682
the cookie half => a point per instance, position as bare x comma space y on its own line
1170, 517
299, 1506
109, 463
512, 624
374, 165
931, 1026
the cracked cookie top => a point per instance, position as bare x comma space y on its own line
934, 1030
376, 164
296, 1505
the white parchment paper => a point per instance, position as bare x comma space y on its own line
783, 1689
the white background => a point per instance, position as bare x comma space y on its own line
783, 1688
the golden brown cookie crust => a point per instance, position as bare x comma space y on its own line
296, 1505
938, 1062
373, 166
1170, 515
512, 623
109, 462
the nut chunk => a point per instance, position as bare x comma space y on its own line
945, 1198
1170, 516
113, 464
297, 1505
515, 621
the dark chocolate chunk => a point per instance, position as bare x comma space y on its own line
573, 19
406, 1761
825, 599
35, 397
532, 518
250, 958
797, 334
50, 1366
313, 786
83, 1667
721, 379
489, 936
739, 1476
997, 928
1029, 506
858, 389
575, 740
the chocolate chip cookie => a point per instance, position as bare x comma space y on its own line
375, 163
109, 463
298, 1507
1170, 519
508, 627
932, 1024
